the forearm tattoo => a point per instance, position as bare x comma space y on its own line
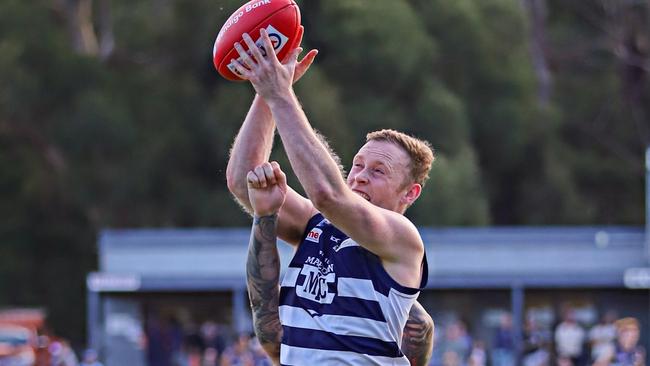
417, 339
263, 274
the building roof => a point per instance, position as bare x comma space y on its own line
457, 257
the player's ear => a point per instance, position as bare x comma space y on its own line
413, 191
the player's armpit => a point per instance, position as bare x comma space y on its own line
417, 339
263, 275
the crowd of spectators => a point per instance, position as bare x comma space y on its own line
610, 342
210, 344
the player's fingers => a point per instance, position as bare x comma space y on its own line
309, 58
259, 171
417, 338
268, 173
293, 59
268, 45
415, 326
252, 180
253, 49
243, 72
245, 58
280, 177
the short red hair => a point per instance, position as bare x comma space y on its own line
420, 152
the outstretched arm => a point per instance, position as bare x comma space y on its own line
253, 143
417, 339
252, 147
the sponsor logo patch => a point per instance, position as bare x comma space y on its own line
314, 235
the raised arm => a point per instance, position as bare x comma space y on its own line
374, 228
252, 147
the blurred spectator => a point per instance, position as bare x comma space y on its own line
451, 358
62, 354
213, 342
477, 356
627, 351
536, 344
176, 338
210, 357
238, 354
90, 358
193, 346
503, 353
159, 342
569, 338
457, 340
564, 361
602, 336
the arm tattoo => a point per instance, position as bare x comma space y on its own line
263, 275
417, 339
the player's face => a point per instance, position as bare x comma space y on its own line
378, 173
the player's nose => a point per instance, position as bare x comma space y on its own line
361, 176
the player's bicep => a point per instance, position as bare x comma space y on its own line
294, 216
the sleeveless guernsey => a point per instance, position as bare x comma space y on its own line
339, 306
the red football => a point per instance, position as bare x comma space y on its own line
280, 18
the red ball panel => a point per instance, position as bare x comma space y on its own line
280, 18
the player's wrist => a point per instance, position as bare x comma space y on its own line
281, 99
258, 217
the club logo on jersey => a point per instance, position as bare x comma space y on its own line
346, 244
318, 276
314, 235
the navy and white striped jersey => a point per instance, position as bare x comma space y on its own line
339, 306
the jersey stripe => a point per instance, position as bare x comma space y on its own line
343, 305
357, 287
290, 277
298, 356
337, 324
317, 339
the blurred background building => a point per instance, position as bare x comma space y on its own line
504, 289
